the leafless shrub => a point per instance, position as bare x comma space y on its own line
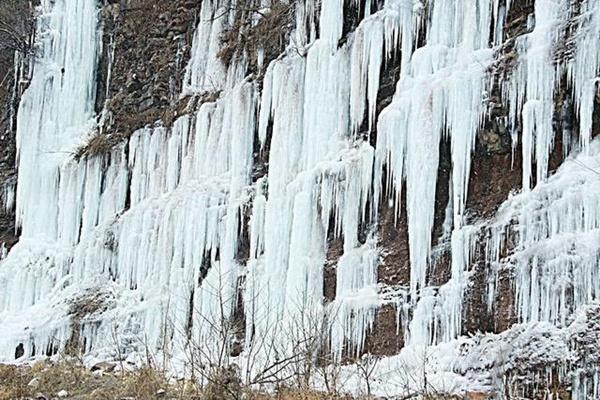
17, 26
284, 359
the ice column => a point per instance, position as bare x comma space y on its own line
531, 89
56, 110
584, 69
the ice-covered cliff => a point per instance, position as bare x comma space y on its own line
355, 189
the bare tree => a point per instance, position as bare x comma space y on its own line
17, 30
284, 357
17, 26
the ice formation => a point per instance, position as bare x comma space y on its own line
7, 196
157, 226
555, 228
583, 70
204, 72
441, 92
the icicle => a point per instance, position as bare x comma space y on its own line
205, 72
584, 69
7, 196
534, 100
314, 160
331, 21
357, 298
375, 39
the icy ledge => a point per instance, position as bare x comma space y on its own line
507, 363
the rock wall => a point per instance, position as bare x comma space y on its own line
8, 148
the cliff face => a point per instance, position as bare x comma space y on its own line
407, 186
8, 149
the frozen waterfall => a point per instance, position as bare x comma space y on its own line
178, 236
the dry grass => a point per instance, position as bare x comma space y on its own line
270, 33
44, 379
48, 379
293, 394
100, 144
97, 144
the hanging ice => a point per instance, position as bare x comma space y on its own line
585, 67
157, 226
440, 92
555, 228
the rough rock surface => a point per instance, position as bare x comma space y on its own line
7, 145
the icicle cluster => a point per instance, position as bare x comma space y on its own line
150, 218
555, 228
7, 196
55, 111
441, 92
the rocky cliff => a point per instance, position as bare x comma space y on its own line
410, 187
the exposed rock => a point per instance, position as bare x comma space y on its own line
146, 75
104, 367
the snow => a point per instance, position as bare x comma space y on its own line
484, 363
